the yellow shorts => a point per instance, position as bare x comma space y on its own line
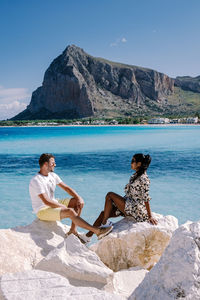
48, 213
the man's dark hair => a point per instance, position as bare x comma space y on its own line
45, 157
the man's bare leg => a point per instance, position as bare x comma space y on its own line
78, 210
78, 221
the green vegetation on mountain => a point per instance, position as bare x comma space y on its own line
183, 103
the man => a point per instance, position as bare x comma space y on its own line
47, 208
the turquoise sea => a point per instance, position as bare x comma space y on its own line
96, 160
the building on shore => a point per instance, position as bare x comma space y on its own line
98, 122
175, 121
159, 121
113, 122
192, 120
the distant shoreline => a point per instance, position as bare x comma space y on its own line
119, 125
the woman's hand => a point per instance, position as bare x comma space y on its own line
153, 221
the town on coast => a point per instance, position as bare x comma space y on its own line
104, 122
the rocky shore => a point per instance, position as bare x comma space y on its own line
136, 261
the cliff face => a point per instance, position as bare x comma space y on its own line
78, 85
188, 83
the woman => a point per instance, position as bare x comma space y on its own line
135, 203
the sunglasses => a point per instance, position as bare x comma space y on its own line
133, 160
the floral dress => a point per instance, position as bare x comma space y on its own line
136, 194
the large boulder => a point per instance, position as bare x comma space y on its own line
124, 282
43, 245
176, 275
40, 285
23, 247
77, 263
135, 244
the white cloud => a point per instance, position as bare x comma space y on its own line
123, 40
113, 44
118, 42
12, 101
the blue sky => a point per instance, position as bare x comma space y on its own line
158, 34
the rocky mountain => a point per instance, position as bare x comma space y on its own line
188, 83
77, 85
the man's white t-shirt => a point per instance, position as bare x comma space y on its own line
41, 184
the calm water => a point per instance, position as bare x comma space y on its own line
96, 160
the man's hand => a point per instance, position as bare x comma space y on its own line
80, 202
47, 201
71, 192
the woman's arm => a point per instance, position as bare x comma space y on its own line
151, 219
146, 198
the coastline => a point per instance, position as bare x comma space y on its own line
118, 125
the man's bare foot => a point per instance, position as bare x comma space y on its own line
70, 232
77, 235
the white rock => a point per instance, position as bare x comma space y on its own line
74, 260
135, 244
125, 282
40, 285
23, 247
177, 274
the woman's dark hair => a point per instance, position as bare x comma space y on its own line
145, 162
45, 157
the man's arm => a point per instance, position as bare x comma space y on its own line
47, 201
73, 193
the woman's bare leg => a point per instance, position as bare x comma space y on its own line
99, 220
96, 223
119, 202
109, 212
